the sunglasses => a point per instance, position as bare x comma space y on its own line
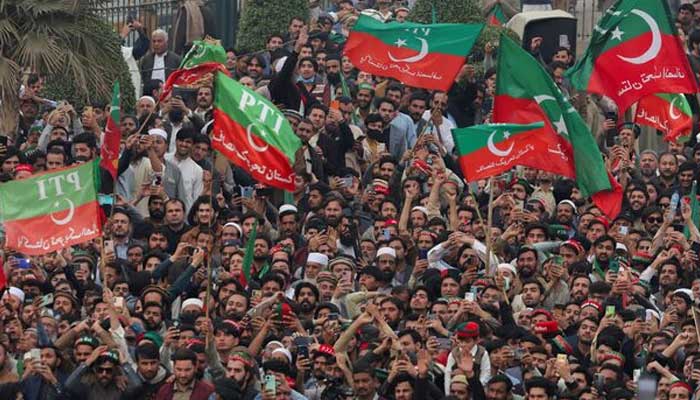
657, 220
104, 370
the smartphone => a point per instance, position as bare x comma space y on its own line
247, 191
35, 354
333, 316
422, 254
46, 300
387, 234
105, 199
696, 363
646, 386
156, 179
24, 263
518, 353
610, 311
624, 230
3, 140
334, 105
469, 296
303, 351
119, 302
614, 265
263, 192
346, 182
109, 246
444, 343
271, 384
256, 293
562, 358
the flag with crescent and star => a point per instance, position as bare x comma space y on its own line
496, 17
526, 93
112, 136
669, 113
491, 149
52, 210
426, 56
252, 133
205, 58
634, 52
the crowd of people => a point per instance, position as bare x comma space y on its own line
379, 277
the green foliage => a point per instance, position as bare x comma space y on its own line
447, 11
60, 86
262, 18
492, 34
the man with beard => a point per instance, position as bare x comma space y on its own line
579, 288
391, 310
526, 262
637, 199
122, 231
532, 294
149, 369
603, 251
156, 211
44, 377
185, 385
648, 162
652, 218
289, 223
386, 261
143, 166
333, 211
686, 174
566, 211
153, 318
261, 253
363, 101
668, 170
96, 377
171, 180
240, 368
417, 104
669, 275
307, 157
192, 174
236, 306
306, 295
203, 112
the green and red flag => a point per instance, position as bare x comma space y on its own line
52, 210
491, 149
667, 112
694, 208
112, 136
421, 55
496, 17
634, 52
248, 256
198, 67
525, 93
251, 132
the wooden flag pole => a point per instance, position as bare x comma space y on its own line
695, 321
489, 221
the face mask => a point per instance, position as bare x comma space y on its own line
306, 81
376, 134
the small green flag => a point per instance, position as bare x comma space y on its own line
248, 256
694, 207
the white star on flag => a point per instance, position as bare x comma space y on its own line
617, 33
506, 134
561, 126
400, 42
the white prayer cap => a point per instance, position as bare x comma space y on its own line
158, 132
192, 302
149, 98
235, 225
386, 251
17, 292
421, 209
285, 352
508, 267
317, 258
288, 207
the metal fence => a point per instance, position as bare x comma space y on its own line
155, 14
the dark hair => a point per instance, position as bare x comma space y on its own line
86, 138
185, 354
147, 351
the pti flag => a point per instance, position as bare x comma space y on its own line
198, 67
525, 93
488, 150
52, 210
112, 136
251, 132
634, 52
668, 113
420, 55
496, 17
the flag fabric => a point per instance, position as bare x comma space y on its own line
525, 93
248, 256
668, 113
3, 277
491, 149
112, 136
634, 52
52, 210
421, 55
251, 132
496, 17
205, 58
